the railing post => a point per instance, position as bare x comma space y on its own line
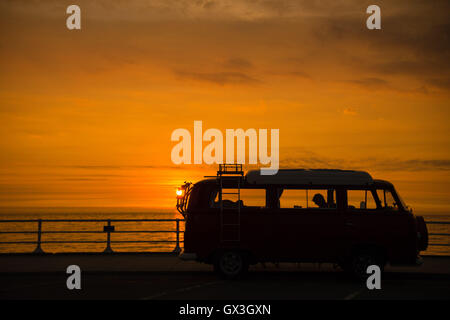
108, 229
39, 236
177, 247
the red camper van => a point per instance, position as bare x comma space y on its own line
321, 215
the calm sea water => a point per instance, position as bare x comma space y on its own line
126, 213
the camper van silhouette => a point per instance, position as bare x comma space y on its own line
234, 220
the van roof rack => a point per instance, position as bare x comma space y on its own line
228, 170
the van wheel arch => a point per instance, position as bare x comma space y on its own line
246, 252
236, 256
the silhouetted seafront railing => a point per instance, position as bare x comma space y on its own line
109, 228
438, 234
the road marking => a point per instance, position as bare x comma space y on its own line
351, 296
201, 285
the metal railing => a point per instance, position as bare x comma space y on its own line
438, 234
107, 229
110, 228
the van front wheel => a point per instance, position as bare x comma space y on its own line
361, 261
230, 264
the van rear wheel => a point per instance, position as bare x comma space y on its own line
231, 264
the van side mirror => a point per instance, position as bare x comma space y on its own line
362, 205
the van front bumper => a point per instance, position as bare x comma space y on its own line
185, 256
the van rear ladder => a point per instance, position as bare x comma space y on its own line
230, 228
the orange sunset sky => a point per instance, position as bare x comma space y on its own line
86, 115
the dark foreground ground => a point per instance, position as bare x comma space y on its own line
204, 285
157, 277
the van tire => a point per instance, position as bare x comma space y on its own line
360, 261
231, 264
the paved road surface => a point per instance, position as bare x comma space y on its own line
163, 276
205, 285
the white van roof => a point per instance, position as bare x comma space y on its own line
310, 177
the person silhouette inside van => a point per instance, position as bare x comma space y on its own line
319, 200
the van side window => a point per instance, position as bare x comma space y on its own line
303, 199
323, 199
248, 198
292, 198
360, 200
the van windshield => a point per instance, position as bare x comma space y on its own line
388, 200
401, 200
